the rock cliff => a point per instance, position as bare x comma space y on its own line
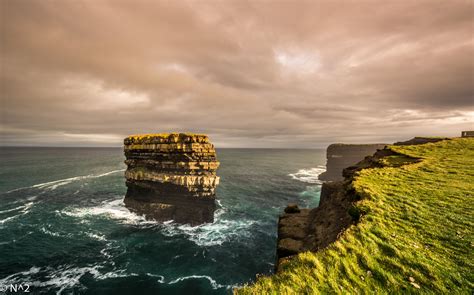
301, 230
313, 229
340, 156
171, 176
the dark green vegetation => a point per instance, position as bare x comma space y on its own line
414, 234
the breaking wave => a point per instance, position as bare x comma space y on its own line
63, 277
208, 234
21, 210
213, 283
211, 234
66, 277
308, 175
114, 209
52, 185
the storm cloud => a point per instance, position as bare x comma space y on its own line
249, 74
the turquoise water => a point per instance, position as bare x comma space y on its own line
64, 228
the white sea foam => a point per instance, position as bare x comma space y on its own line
11, 278
208, 234
161, 279
211, 234
21, 210
114, 209
308, 175
214, 284
13, 209
63, 277
96, 236
48, 232
52, 185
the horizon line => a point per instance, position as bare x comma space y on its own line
108, 147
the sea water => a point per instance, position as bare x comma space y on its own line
64, 228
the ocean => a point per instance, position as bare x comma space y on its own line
64, 228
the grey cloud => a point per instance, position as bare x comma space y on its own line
77, 70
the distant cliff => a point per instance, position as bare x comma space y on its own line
340, 156
171, 176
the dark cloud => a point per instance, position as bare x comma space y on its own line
281, 74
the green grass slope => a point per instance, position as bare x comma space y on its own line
415, 237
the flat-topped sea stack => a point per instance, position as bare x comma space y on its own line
171, 176
340, 156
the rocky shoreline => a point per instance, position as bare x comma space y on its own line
301, 230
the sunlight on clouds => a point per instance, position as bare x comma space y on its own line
173, 67
104, 138
297, 61
96, 96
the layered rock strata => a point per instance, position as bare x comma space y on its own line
340, 156
171, 176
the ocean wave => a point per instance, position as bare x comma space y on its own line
52, 185
208, 234
211, 234
13, 209
13, 278
161, 279
308, 175
114, 209
66, 277
96, 236
63, 278
213, 283
24, 209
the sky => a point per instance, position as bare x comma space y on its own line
277, 74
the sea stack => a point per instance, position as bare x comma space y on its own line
171, 176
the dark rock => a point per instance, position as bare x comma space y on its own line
288, 247
292, 208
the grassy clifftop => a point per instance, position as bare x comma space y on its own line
415, 236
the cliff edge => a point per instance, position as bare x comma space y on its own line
406, 227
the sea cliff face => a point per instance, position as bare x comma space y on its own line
314, 229
340, 156
171, 176
301, 230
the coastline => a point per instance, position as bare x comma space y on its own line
367, 254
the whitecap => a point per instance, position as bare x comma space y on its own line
11, 278
211, 234
114, 209
55, 234
13, 209
308, 175
52, 185
24, 210
161, 279
8, 219
213, 282
96, 236
63, 277
114, 274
